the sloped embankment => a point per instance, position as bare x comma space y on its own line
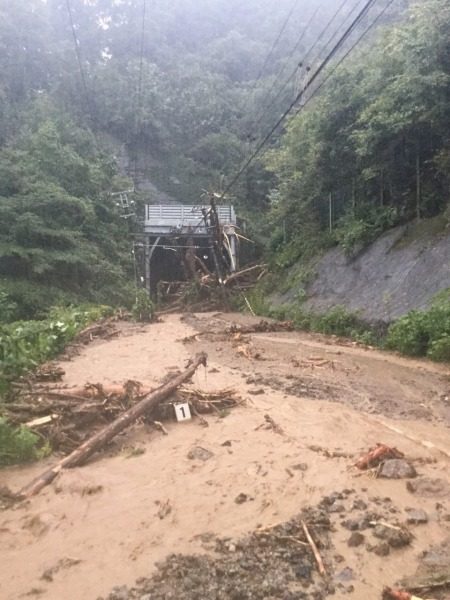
401, 271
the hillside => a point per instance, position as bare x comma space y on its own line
403, 270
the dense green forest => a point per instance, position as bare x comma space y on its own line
373, 150
95, 94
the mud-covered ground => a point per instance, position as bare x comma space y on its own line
215, 512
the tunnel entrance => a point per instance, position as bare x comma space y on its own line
185, 242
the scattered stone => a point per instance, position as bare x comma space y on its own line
346, 574
359, 505
356, 539
259, 566
382, 549
429, 487
120, 592
199, 453
397, 468
331, 499
416, 516
337, 508
396, 537
256, 392
300, 467
358, 524
241, 498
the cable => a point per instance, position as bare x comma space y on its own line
141, 53
341, 60
269, 55
80, 64
302, 62
367, 6
291, 54
138, 102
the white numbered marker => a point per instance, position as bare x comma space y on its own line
182, 411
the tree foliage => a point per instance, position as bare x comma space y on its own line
373, 147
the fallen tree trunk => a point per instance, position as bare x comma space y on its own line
102, 437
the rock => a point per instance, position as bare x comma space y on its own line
381, 549
241, 498
226, 443
396, 537
331, 499
429, 487
303, 571
346, 574
359, 505
337, 508
300, 467
416, 516
397, 468
119, 593
358, 524
256, 392
199, 453
356, 539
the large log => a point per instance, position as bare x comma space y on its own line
102, 437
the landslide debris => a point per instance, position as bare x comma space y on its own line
274, 562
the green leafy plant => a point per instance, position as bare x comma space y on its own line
17, 444
363, 227
25, 344
143, 309
8, 308
423, 333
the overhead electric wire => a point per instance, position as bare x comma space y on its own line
141, 52
344, 56
301, 63
272, 49
362, 13
294, 49
138, 98
80, 63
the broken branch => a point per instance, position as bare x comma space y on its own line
100, 439
314, 549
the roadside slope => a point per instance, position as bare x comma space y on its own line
401, 271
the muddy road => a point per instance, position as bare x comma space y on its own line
107, 524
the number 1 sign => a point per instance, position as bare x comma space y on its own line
182, 411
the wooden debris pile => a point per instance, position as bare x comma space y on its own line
65, 417
205, 292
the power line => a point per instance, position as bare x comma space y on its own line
367, 6
141, 51
341, 60
302, 62
294, 49
138, 99
272, 49
80, 63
